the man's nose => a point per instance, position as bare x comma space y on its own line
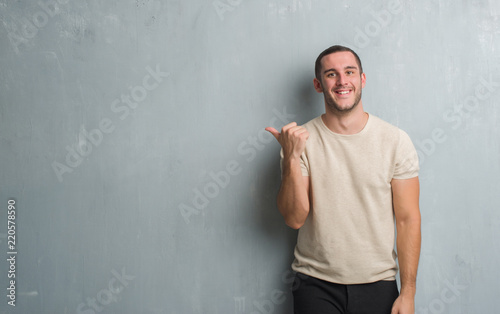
341, 79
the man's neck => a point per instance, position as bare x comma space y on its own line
349, 123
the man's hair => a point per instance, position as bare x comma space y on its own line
334, 49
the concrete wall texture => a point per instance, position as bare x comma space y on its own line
136, 176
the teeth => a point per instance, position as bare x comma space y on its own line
343, 92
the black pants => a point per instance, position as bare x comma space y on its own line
316, 296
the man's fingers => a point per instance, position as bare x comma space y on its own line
288, 126
274, 132
296, 130
291, 129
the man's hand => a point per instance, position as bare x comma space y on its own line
292, 139
404, 305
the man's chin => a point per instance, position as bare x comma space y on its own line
344, 109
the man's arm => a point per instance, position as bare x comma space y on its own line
406, 209
293, 197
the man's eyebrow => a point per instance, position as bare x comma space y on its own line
345, 68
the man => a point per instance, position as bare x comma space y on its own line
346, 176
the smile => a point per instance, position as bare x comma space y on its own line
343, 92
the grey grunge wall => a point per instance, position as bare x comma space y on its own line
136, 175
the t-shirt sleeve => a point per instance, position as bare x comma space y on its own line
406, 166
303, 164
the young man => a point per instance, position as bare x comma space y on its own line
346, 175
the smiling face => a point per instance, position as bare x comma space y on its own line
340, 82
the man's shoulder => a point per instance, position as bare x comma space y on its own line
385, 127
382, 124
312, 124
389, 134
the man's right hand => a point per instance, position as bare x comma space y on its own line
292, 139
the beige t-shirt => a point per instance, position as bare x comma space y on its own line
348, 237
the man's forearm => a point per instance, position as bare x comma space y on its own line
408, 245
293, 198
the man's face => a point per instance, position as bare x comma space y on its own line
341, 81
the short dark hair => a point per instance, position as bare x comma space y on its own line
334, 49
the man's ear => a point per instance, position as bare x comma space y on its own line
363, 80
317, 85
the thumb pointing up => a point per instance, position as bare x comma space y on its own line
274, 132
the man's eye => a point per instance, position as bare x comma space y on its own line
331, 74
350, 72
